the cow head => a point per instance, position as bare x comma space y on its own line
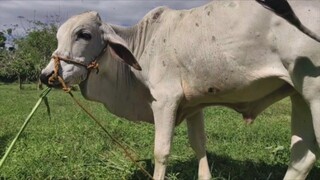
81, 40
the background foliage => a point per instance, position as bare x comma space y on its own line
24, 57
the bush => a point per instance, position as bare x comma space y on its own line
31, 52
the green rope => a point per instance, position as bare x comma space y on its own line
42, 97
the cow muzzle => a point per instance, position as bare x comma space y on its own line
44, 78
48, 81
54, 79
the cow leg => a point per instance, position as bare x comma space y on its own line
164, 117
304, 149
197, 140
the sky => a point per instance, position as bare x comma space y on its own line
121, 12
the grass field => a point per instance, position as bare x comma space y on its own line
70, 146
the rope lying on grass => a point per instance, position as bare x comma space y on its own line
56, 77
127, 153
43, 96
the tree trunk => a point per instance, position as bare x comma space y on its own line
40, 86
20, 82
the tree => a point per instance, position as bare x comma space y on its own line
4, 57
2, 40
32, 52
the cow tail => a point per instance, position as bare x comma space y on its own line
283, 9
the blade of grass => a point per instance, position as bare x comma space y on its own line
46, 102
27, 120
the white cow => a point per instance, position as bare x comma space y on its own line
230, 53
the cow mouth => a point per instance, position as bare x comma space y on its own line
52, 83
55, 86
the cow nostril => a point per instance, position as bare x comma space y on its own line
45, 78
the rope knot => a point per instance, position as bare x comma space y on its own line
55, 76
93, 65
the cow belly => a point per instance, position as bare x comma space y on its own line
248, 100
243, 91
253, 91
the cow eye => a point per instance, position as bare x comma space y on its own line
84, 35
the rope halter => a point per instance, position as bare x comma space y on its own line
57, 59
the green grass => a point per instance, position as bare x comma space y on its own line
71, 146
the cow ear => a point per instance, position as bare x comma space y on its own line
119, 49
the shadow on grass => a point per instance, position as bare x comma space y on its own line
223, 167
4, 142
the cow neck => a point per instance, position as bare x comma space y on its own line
118, 88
